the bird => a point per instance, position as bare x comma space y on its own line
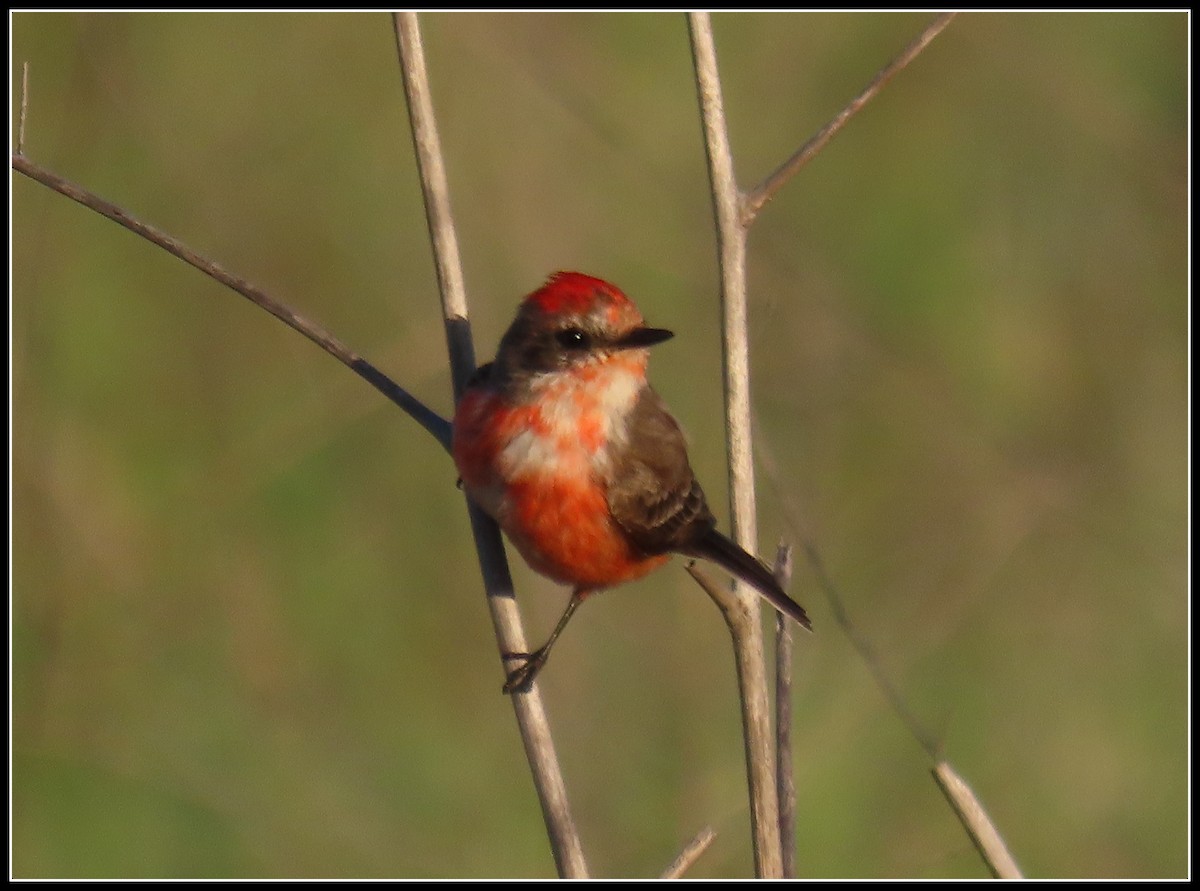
562, 440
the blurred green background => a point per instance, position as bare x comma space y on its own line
248, 636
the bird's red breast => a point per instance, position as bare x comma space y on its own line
539, 465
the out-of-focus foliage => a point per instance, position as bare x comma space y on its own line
248, 637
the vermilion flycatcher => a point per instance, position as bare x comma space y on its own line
566, 445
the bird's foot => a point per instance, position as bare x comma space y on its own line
520, 679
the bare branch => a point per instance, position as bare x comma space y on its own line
975, 820
506, 619
748, 636
758, 197
434, 423
731, 239
690, 854
436, 192
729, 604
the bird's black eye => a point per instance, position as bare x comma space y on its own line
573, 339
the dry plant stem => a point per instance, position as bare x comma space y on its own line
734, 213
975, 820
690, 854
758, 197
785, 781
436, 193
434, 423
530, 711
748, 635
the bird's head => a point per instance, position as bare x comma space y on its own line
573, 321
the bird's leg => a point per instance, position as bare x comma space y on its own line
520, 679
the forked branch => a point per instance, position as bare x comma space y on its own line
758, 197
734, 213
748, 636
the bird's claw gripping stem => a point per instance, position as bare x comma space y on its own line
520, 679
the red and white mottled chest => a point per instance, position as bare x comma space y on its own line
560, 424
539, 466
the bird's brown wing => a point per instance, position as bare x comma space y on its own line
653, 494
655, 499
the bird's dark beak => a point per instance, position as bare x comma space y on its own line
644, 337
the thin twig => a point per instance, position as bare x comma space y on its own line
729, 604
731, 238
837, 605
530, 711
974, 819
785, 780
731, 241
976, 822
759, 196
690, 854
24, 108
866, 651
434, 423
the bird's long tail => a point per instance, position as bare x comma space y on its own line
725, 553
